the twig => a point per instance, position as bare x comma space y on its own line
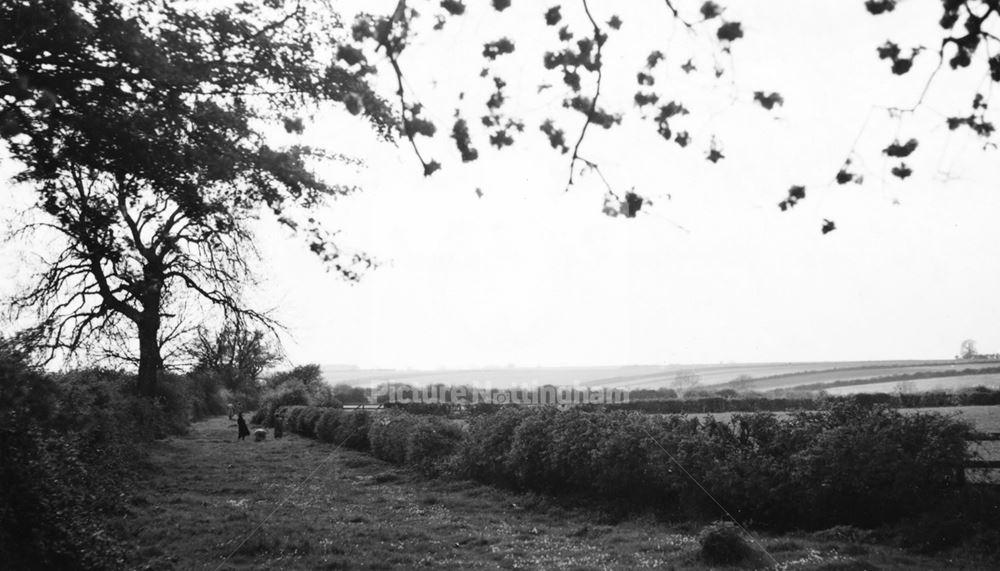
599, 39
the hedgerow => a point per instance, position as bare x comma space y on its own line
858, 464
69, 444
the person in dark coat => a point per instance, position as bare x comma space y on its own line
242, 424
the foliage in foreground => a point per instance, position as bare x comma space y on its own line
852, 464
70, 444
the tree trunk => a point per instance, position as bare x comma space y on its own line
149, 357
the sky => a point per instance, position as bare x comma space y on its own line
531, 273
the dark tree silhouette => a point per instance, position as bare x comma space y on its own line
236, 354
139, 127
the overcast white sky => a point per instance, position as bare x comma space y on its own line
532, 275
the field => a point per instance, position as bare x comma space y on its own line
767, 375
922, 385
207, 502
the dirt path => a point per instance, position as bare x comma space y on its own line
206, 494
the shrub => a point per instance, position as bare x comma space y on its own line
483, 453
723, 543
206, 394
329, 421
430, 442
290, 416
307, 420
67, 445
353, 430
388, 435
284, 396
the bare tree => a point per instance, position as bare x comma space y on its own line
139, 128
685, 380
237, 354
968, 350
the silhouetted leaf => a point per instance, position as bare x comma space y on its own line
643, 99
631, 205
888, 50
454, 7
902, 171
730, 31
948, 19
501, 5
682, 138
828, 226
710, 10
768, 101
644, 79
714, 155
901, 150
460, 132
615, 23
557, 138
654, 58
795, 194
688, 67
493, 50
553, 16
901, 65
877, 7
431, 167
962, 58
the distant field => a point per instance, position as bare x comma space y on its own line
653, 376
852, 373
923, 385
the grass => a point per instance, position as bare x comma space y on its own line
204, 495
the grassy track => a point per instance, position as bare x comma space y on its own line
205, 493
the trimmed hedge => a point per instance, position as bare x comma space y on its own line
852, 464
423, 442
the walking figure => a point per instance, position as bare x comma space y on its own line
242, 425
230, 410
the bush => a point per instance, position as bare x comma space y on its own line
307, 421
292, 392
388, 434
353, 430
430, 442
69, 444
329, 421
852, 464
295, 394
483, 453
723, 543
207, 397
